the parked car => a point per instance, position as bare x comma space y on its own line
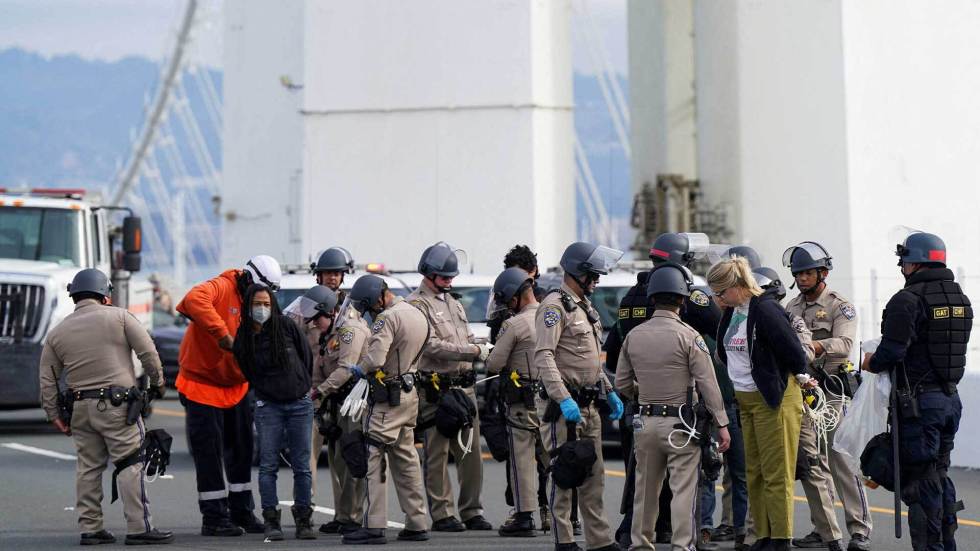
168, 330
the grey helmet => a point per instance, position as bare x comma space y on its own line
334, 259
746, 252
367, 291
510, 283
670, 278
580, 259
807, 255
90, 280
921, 248
323, 297
681, 248
439, 260
767, 278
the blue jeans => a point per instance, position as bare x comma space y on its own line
292, 421
735, 465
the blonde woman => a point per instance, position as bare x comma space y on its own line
767, 366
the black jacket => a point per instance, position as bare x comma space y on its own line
273, 382
775, 350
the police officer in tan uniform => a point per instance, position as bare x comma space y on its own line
566, 356
398, 336
511, 358
92, 348
661, 364
833, 321
448, 363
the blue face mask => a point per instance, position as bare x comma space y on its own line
261, 314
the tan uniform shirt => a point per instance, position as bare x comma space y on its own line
833, 321
450, 350
397, 336
345, 346
515, 344
94, 346
803, 333
661, 359
567, 345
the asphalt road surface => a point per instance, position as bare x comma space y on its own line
37, 498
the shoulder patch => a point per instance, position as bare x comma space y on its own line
347, 335
940, 312
799, 325
699, 340
624, 313
699, 297
378, 324
551, 316
847, 310
640, 312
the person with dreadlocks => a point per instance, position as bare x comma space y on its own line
214, 395
275, 358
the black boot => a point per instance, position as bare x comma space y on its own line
332, 527
97, 538
761, 544
223, 528
248, 522
778, 545
273, 524
365, 536
413, 535
304, 525
520, 526
477, 523
152, 537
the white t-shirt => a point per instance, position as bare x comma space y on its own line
737, 350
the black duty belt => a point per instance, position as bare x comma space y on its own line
659, 410
466, 380
948, 389
113, 394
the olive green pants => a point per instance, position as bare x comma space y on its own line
772, 437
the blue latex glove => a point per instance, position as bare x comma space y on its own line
356, 372
570, 410
615, 404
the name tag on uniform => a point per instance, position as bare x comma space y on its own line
940, 312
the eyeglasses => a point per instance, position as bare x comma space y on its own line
720, 294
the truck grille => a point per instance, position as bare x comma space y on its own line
21, 307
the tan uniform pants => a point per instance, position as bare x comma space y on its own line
100, 437
654, 458
590, 501
829, 480
772, 438
395, 428
523, 466
469, 468
348, 492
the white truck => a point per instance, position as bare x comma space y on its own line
46, 237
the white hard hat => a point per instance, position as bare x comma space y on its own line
265, 271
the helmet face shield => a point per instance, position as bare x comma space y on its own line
815, 254
602, 260
302, 307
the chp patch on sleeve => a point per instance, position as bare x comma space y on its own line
551, 316
699, 340
847, 310
347, 335
699, 298
378, 324
799, 325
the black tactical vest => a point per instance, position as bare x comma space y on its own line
944, 336
634, 309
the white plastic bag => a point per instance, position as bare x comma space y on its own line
866, 418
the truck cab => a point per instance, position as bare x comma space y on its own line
46, 237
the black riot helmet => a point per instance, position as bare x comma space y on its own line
92, 281
921, 248
671, 278
510, 283
324, 299
808, 255
746, 252
366, 292
681, 248
334, 259
767, 278
439, 260
585, 261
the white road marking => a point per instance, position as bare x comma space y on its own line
38, 451
329, 511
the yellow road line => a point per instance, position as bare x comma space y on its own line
166, 412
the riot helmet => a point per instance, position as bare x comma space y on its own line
366, 292
681, 248
318, 300
509, 284
334, 259
671, 278
921, 248
767, 278
585, 262
808, 255
746, 252
265, 271
90, 280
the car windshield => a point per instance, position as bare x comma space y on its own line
49, 235
474, 301
606, 301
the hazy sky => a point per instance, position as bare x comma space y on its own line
113, 29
